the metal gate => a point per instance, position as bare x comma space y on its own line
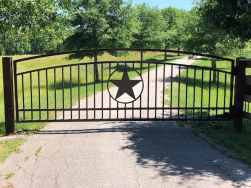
123, 90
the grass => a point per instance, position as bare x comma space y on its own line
38, 151
9, 175
7, 146
221, 132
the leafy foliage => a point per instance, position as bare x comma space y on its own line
151, 32
232, 16
101, 24
201, 37
218, 27
20, 14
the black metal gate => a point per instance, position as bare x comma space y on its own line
126, 90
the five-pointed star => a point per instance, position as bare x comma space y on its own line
125, 85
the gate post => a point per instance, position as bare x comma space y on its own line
239, 94
8, 95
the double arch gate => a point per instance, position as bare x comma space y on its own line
143, 89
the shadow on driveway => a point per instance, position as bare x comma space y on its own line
172, 151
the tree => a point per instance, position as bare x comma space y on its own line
174, 27
101, 24
231, 16
32, 26
202, 37
21, 14
151, 30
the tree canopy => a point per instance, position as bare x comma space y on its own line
219, 27
101, 24
232, 16
21, 14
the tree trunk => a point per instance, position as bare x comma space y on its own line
214, 67
178, 51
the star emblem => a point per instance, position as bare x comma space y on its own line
125, 85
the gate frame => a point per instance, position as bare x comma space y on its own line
9, 94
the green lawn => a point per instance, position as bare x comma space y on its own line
221, 132
7, 146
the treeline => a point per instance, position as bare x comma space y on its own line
59, 25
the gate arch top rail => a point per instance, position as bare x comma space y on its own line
123, 49
115, 62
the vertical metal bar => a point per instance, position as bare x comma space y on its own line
194, 88
39, 95
117, 101
31, 95
102, 89
109, 95
186, 89
148, 89
156, 95
133, 101
179, 95
141, 64
94, 90
209, 95
202, 86
79, 93
55, 93
11, 128
125, 104
225, 88
231, 88
171, 98
63, 93
71, 89
23, 97
86, 90
217, 93
163, 99
47, 93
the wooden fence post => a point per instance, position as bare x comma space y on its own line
239, 94
8, 95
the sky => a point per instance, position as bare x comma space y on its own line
181, 4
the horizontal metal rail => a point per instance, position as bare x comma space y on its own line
123, 49
115, 62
